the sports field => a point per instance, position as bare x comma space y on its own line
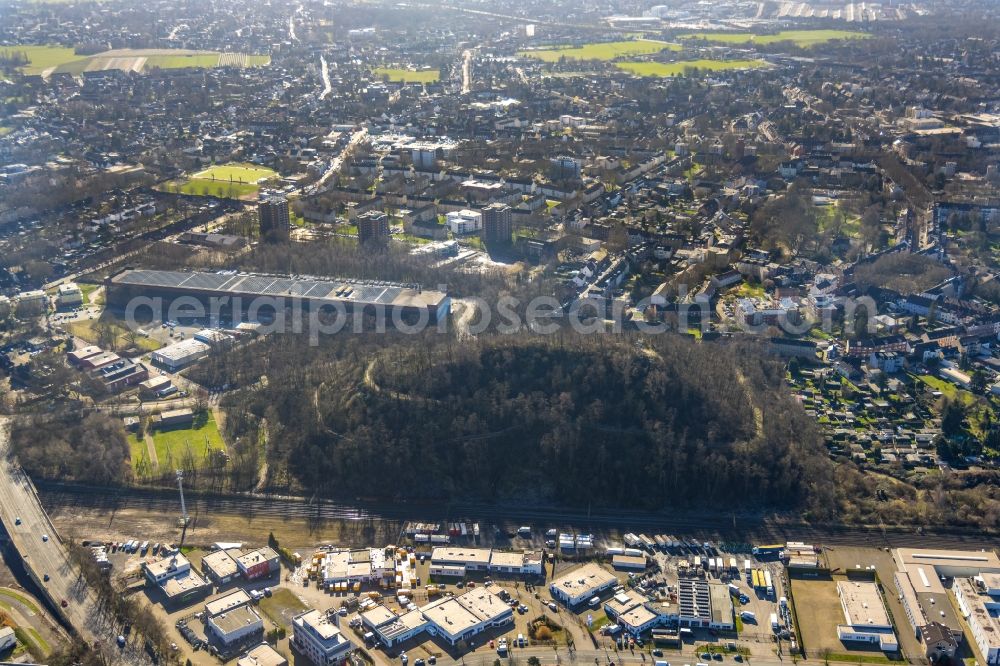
49, 59
397, 75
801, 38
226, 181
601, 50
236, 172
684, 67
188, 445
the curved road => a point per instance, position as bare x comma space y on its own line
26, 522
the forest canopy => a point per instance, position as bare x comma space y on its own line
565, 420
64, 446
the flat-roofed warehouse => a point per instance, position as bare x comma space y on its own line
581, 584
865, 616
918, 579
352, 295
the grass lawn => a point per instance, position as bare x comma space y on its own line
87, 290
281, 607
398, 75
64, 59
801, 38
216, 188
204, 60
173, 446
89, 330
683, 67
41, 57
601, 50
600, 620
947, 389
225, 181
715, 648
747, 290
236, 172
410, 238
37, 639
139, 455
21, 599
860, 658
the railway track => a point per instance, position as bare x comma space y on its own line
701, 525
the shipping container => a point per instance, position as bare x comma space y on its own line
773, 549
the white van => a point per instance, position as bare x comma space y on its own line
595, 602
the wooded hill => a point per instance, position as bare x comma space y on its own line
615, 421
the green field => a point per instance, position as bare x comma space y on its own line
236, 173
206, 60
679, 68
90, 330
397, 75
138, 454
62, 59
173, 446
801, 38
281, 607
601, 50
226, 181
181, 61
41, 57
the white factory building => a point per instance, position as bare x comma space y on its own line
865, 618
453, 619
455, 561
979, 601
316, 636
180, 354
239, 625
636, 614
465, 221
918, 577
580, 585
69, 295
174, 576
704, 604
364, 565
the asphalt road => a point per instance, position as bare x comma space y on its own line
20, 504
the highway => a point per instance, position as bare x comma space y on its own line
720, 526
20, 504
